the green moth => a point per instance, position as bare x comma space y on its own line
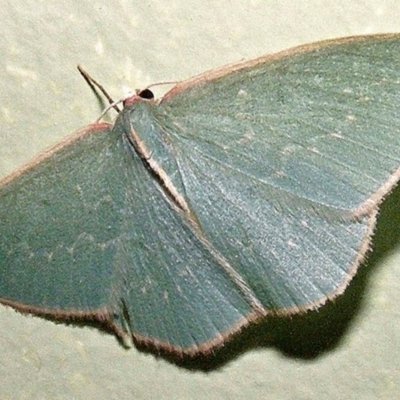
247, 191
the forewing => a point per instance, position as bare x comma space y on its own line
59, 222
319, 123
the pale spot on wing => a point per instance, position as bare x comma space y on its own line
49, 256
247, 136
304, 223
102, 246
313, 150
183, 272
93, 206
82, 238
147, 285
280, 173
292, 244
178, 288
289, 150
225, 147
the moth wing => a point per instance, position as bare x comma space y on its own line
284, 162
87, 231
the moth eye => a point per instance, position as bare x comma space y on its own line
146, 94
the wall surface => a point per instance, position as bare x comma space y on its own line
349, 350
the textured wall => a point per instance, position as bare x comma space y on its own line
350, 350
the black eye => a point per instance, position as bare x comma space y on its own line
146, 94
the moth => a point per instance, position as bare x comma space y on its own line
247, 191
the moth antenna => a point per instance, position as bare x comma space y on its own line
109, 107
93, 84
161, 84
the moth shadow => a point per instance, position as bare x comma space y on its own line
308, 336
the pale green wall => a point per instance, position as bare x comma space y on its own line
132, 43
